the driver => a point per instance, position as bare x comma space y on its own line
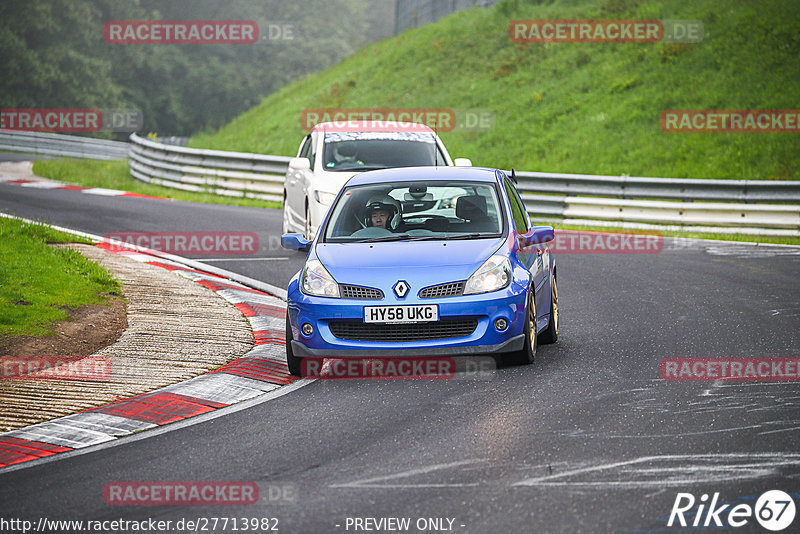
380, 217
382, 212
344, 154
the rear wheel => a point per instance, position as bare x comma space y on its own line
528, 352
551, 334
293, 362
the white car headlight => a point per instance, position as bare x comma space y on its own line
494, 274
317, 281
326, 199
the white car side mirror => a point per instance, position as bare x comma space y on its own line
299, 164
462, 162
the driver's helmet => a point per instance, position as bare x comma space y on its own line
386, 203
344, 152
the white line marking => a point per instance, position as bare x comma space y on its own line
241, 259
408, 486
767, 468
103, 192
368, 482
771, 431
698, 433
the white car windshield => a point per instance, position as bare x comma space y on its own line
420, 210
348, 151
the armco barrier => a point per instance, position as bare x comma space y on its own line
722, 203
738, 206
724, 215
685, 189
213, 171
69, 146
749, 206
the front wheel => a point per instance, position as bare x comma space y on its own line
308, 223
294, 363
550, 335
526, 355
285, 224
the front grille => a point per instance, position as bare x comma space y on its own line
453, 289
446, 328
362, 293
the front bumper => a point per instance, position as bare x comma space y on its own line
508, 303
513, 344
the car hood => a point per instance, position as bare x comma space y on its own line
332, 182
419, 263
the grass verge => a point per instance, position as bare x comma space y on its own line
115, 175
39, 283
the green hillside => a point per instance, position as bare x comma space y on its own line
569, 107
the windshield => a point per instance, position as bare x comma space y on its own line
420, 210
347, 151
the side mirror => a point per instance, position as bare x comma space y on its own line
537, 235
462, 162
295, 241
299, 164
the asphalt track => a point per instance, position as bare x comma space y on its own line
588, 439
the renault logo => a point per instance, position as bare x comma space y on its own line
400, 289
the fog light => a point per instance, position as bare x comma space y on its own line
307, 329
501, 324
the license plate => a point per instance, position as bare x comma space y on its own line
401, 314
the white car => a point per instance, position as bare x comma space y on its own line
329, 156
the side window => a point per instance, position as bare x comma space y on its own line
305, 150
312, 142
517, 209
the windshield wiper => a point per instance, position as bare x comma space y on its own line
401, 237
471, 236
428, 238
396, 237
360, 168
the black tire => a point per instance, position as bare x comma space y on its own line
550, 335
528, 352
284, 226
308, 223
294, 363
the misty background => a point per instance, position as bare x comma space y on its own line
54, 54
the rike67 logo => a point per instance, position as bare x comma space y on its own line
774, 510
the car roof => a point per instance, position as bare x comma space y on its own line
410, 174
371, 126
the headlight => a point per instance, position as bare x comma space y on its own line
317, 281
494, 274
326, 199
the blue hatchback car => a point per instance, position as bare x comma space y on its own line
423, 261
